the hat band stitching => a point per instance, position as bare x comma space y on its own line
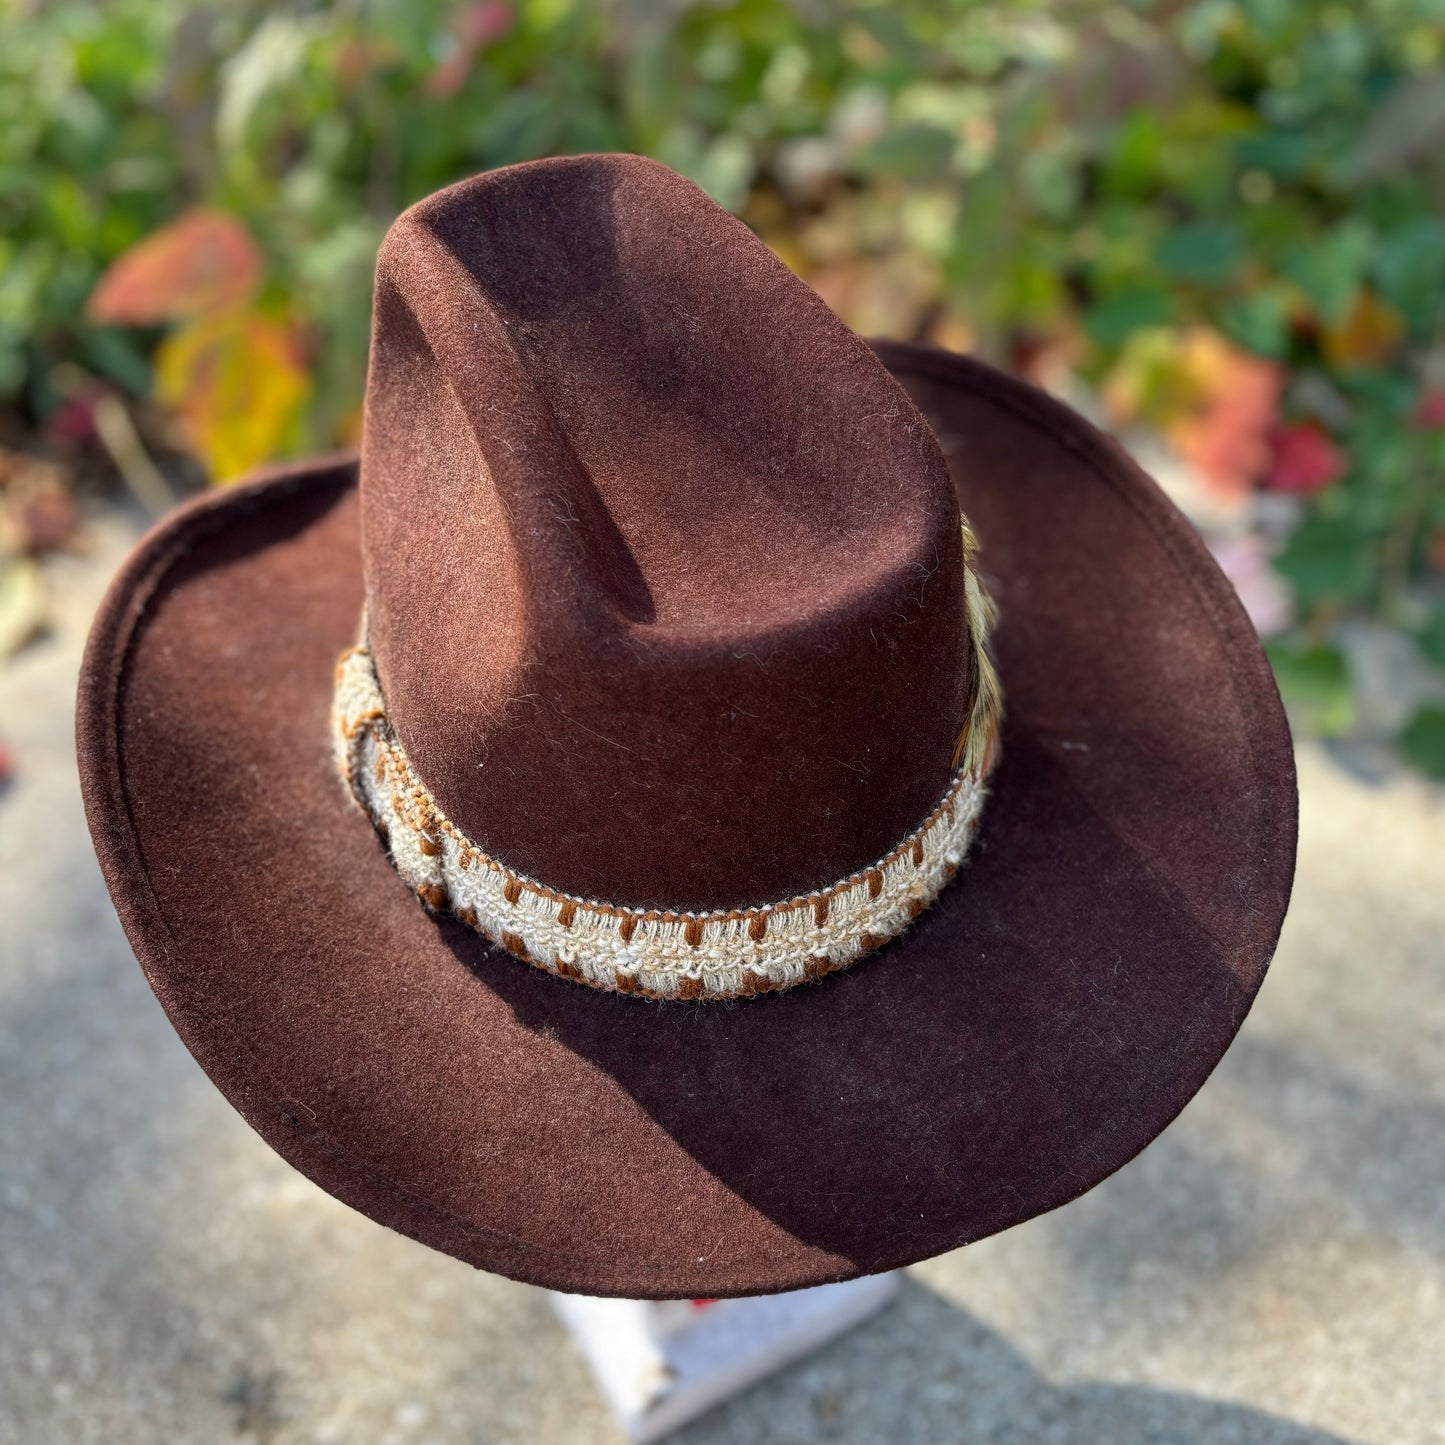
658, 953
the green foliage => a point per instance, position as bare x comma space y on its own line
1432, 636
1316, 684
1327, 560
1011, 174
1423, 741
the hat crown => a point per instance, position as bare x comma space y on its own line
664, 582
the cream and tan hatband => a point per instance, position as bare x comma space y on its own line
650, 952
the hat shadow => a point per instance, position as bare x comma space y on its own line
1026, 1032
927, 1370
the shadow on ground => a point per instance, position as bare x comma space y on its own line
971, 1385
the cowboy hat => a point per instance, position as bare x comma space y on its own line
646, 647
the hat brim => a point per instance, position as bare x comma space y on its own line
1037, 1027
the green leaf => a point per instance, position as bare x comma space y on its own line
114, 354
1315, 685
1330, 269
1052, 178
1328, 559
910, 153
13, 363
725, 170
1431, 636
1422, 742
1203, 251
518, 127
1114, 319
1409, 265
1132, 161
1259, 323
1282, 153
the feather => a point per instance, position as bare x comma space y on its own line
984, 711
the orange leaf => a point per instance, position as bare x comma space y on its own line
236, 381
1367, 336
203, 262
348, 427
1216, 403
1225, 428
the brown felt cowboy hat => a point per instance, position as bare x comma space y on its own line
646, 649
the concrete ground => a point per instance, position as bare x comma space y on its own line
1272, 1270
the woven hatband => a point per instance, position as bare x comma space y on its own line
660, 953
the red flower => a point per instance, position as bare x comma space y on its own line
1303, 459
1430, 411
74, 420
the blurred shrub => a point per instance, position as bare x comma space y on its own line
1224, 217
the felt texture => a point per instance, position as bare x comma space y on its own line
1037, 1027
663, 569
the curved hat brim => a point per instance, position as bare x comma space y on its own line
1038, 1026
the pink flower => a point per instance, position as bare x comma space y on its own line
1245, 561
1304, 460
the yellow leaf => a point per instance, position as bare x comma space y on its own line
1149, 383
236, 381
789, 252
950, 331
